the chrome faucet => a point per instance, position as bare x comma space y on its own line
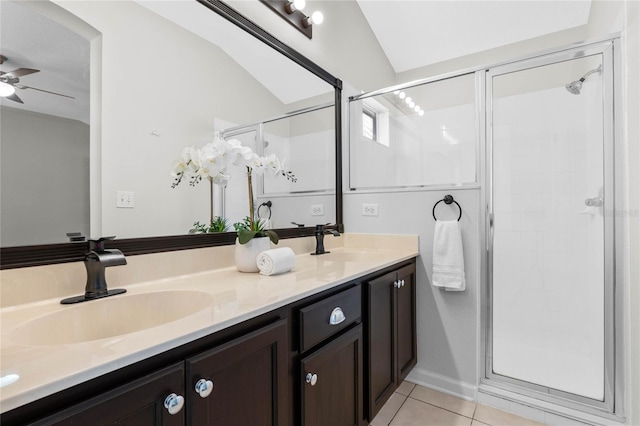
320, 232
95, 261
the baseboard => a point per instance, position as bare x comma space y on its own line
444, 384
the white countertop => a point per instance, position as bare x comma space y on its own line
236, 297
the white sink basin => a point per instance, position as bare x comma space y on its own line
111, 316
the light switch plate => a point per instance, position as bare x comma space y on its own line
124, 200
317, 210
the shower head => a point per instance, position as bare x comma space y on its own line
575, 86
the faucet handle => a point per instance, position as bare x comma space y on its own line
98, 245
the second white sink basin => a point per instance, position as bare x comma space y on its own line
111, 316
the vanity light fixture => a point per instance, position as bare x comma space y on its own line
291, 11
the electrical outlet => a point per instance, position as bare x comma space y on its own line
369, 210
317, 210
124, 200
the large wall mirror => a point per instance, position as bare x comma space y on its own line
121, 89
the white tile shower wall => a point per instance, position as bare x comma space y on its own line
447, 321
548, 248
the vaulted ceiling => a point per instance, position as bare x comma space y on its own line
417, 33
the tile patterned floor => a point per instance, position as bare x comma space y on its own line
413, 405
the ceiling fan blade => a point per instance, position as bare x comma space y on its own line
46, 91
14, 98
21, 71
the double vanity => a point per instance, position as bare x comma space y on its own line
197, 342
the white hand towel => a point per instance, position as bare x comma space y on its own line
448, 260
276, 261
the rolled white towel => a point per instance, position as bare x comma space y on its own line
276, 261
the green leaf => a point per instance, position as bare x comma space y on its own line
272, 236
245, 236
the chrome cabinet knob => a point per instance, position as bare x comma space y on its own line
204, 387
396, 284
173, 403
337, 316
402, 283
312, 379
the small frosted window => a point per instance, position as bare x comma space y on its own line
369, 125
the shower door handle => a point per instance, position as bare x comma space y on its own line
491, 224
594, 202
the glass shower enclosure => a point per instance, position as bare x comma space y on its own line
550, 227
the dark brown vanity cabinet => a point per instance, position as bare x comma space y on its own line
331, 380
243, 382
390, 333
140, 402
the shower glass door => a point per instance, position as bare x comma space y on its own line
550, 187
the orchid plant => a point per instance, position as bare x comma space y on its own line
210, 163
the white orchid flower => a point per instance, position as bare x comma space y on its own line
194, 156
244, 156
272, 163
221, 179
255, 163
212, 158
183, 163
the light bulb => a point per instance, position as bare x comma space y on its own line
408, 100
402, 95
317, 17
6, 89
396, 92
412, 104
421, 113
294, 5
417, 108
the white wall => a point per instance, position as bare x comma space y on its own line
447, 326
158, 77
45, 178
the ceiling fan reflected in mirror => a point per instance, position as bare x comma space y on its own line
10, 81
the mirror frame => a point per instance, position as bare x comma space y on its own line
35, 255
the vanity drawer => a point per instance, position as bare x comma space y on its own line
328, 316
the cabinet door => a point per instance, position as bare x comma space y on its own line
406, 322
380, 341
249, 381
332, 395
139, 403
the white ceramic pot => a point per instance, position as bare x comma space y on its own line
246, 254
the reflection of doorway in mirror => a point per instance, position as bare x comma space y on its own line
47, 143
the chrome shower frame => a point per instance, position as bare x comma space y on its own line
559, 402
